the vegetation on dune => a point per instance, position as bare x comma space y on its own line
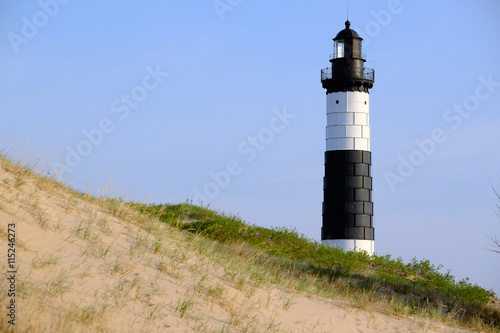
165, 238
420, 285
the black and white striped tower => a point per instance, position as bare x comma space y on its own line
347, 186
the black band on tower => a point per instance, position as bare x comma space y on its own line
347, 204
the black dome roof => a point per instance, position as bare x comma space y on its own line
347, 32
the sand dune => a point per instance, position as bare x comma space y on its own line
90, 265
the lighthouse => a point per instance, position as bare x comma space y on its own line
347, 185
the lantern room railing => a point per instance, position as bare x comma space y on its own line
368, 74
326, 73
337, 55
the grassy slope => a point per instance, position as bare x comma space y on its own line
91, 264
418, 287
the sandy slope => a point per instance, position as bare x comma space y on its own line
88, 266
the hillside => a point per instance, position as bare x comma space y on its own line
87, 264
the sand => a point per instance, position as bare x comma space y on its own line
87, 266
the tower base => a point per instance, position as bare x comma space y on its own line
352, 244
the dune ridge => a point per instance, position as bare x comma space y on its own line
87, 264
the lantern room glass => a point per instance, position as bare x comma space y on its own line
339, 48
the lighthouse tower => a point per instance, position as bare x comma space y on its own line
347, 186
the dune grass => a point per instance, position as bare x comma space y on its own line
418, 287
161, 260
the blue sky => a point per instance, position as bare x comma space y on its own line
162, 100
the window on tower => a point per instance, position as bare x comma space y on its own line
339, 48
